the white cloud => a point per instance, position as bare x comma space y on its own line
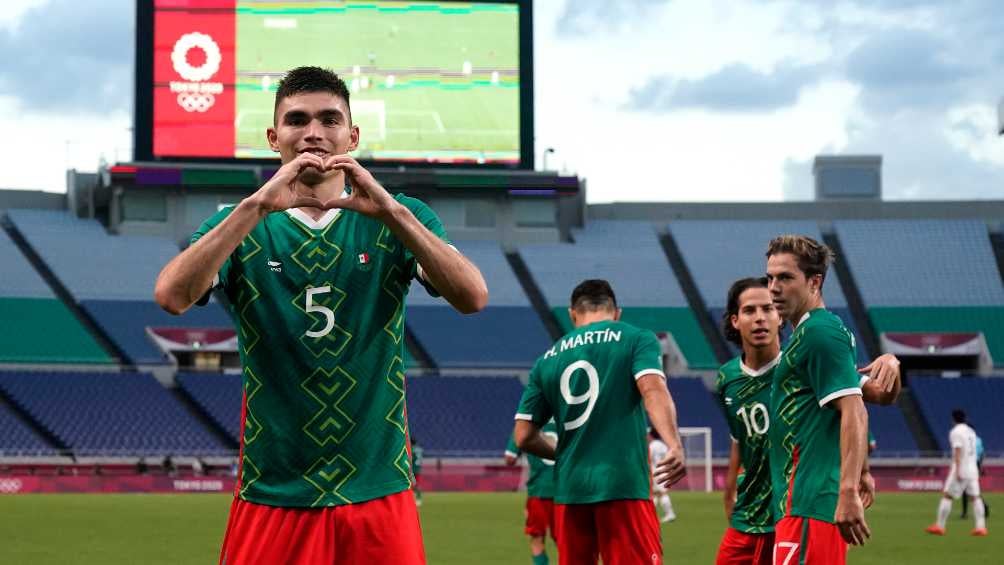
12, 11
39, 147
973, 129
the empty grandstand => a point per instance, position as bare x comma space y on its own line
79, 297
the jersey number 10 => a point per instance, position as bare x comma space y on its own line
757, 421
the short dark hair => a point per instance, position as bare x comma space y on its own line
593, 294
958, 416
311, 79
732, 306
813, 258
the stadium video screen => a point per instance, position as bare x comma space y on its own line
430, 82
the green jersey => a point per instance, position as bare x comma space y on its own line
319, 309
816, 367
540, 482
744, 397
417, 457
586, 382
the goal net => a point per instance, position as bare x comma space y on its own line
697, 448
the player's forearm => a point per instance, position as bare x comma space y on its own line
853, 440
732, 479
457, 279
530, 440
661, 410
188, 276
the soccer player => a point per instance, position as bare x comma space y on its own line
657, 451
598, 382
539, 496
744, 388
963, 478
316, 274
417, 457
819, 423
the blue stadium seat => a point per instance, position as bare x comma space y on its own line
462, 416
109, 413
628, 254
980, 398
497, 337
504, 288
219, 396
19, 280
718, 252
88, 261
125, 322
696, 408
892, 434
922, 262
16, 438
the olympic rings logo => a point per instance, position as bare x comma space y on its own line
179, 56
196, 102
10, 486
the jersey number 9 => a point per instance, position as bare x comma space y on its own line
588, 398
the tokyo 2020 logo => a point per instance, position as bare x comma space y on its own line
195, 93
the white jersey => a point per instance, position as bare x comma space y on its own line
963, 437
657, 450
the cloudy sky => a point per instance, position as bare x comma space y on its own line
647, 99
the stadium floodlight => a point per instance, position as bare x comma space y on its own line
1000, 117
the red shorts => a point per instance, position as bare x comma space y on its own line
623, 532
799, 540
738, 548
383, 530
539, 517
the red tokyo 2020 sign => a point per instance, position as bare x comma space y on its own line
194, 74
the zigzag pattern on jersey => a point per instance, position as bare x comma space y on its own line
787, 411
252, 428
756, 511
329, 384
395, 290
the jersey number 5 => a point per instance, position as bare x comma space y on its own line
311, 308
588, 398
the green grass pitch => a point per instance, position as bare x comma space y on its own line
409, 115
459, 528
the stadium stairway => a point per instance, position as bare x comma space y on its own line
694, 298
45, 314
997, 240
855, 304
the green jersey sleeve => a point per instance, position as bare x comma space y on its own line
533, 405
424, 214
205, 228
647, 355
829, 363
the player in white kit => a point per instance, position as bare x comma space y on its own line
657, 451
963, 478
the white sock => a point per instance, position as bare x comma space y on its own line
979, 513
667, 505
944, 509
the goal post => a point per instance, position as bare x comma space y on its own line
697, 449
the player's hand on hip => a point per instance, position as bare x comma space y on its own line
850, 518
883, 371
367, 197
866, 489
671, 468
280, 192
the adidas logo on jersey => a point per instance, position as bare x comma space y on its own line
728, 401
275, 266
